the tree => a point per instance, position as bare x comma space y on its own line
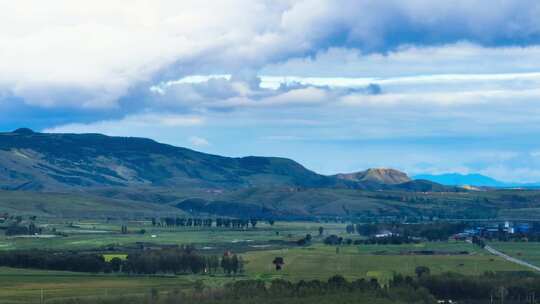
333, 240
213, 264
116, 264
337, 282
234, 264
15, 229
278, 262
321, 231
422, 270
32, 229
226, 264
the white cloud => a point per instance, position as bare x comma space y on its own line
89, 54
411, 60
131, 124
198, 142
450, 73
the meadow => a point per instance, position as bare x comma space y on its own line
379, 261
83, 235
313, 262
258, 247
527, 251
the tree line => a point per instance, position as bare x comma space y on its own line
437, 231
423, 288
18, 229
207, 222
334, 240
183, 260
336, 290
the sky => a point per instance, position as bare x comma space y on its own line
338, 85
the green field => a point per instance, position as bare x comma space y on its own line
92, 235
257, 247
25, 286
526, 251
360, 261
313, 262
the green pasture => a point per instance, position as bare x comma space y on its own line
314, 262
317, 261
364, 261
527, 251
92, 235
25, 286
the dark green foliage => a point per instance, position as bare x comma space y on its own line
54, 261
278, 262
436, 231
173, 261
231, 264
333, 240
116, 264
16, 230
336, 290
421, 271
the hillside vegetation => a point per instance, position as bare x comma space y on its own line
94, 174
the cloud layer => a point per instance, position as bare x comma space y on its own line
89, 54
338, 85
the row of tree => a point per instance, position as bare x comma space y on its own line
174, 261
18, 229
436, 231
208, 222
335, 240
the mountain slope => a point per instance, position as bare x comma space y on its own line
376, 175
478, 180
78, 205
40, 161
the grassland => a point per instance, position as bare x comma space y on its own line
313, 262
66, 205
372, 261
25, 286
256, 246
305, 202
529, 252
95, 234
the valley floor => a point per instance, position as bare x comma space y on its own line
258, 248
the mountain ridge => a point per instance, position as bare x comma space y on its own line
45, 161
376, 175
472, 179
77, 162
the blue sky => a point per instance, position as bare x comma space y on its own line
340, 86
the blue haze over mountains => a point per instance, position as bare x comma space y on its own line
472, 179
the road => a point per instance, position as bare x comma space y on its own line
511, 259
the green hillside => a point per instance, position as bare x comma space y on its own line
40, 161
76, 205
96, 175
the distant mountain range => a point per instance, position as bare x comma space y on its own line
60, 162
478, 180
93, 175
